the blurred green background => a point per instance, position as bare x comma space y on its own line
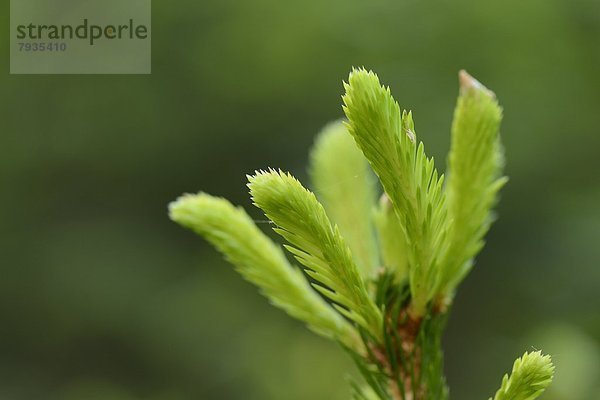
102, 297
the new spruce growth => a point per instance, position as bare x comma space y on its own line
376, 272
530, 376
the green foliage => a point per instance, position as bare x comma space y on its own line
474, 163
387, 138
390, 268
345, 185
317, 245
392, 240
531, 375
261, 262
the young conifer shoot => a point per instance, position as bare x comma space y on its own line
377, 271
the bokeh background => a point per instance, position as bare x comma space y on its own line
102, 297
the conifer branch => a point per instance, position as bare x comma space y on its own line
531, 375
475, 166
317, 245
388, 140
427, 244
261, 262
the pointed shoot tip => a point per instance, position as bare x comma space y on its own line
467, 82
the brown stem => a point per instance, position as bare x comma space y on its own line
412, 357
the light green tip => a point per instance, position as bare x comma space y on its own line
531, 375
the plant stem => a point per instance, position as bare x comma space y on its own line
411, 357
